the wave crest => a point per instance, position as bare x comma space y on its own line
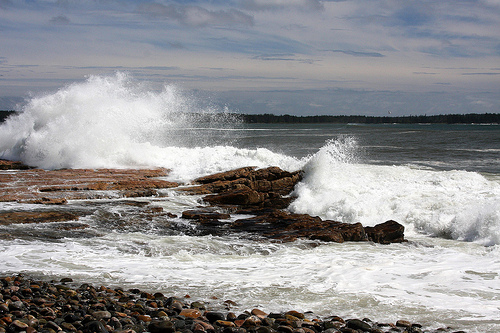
105, 121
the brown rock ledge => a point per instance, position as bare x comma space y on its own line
31, 185
263, 194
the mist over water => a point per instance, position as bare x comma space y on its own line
112, 121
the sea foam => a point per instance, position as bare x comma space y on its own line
116, 122
450, 204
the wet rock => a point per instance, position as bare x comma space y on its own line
161, 326
13, 165
35, 217
260, 192
101, 315
224, 323
242, 196
283, 226
204, 215
95, 327
387, 232
190, 313
248, 186
18, 326
403, 323
213, 316
259, 313
358, 325
47, 201
57, 186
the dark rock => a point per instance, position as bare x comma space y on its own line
18, 326
13, 165
284, 329
248, 186
387, 232
8, 217
101, 315
214, 316
261, 192
204, 215
95, 327
358, 325
228, 175
242, 196
161, 326
283, 226
403, 323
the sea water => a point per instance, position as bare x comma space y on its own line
442, 182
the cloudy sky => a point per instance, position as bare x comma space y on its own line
299, 57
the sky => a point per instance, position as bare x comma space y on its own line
302, 57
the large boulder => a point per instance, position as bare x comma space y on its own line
248, 186
264, 193
387, 232
279, 225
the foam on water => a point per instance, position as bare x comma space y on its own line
451, 204
430, 281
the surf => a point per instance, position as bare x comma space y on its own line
117, 122
456, 204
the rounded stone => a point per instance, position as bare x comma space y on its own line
190, 313
259, 313
403, 323
19, 325
95, 327
285, 329
225, 323
144, 318
161, 326
265, 329
198, 305
296, 314
67, 327
101, 315
358, 325
231, 316
252, 321
213, 316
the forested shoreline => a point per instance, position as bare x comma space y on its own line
471, 118
267, 118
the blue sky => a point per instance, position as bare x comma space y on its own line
265, 56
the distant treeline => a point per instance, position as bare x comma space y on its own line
486, 118
471, 118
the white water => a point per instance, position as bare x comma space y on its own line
116, 122
452, 204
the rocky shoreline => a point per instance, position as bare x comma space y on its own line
259, 195
31, 306
262, 194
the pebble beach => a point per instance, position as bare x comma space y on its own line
63, 305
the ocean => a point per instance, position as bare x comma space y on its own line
442, 182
